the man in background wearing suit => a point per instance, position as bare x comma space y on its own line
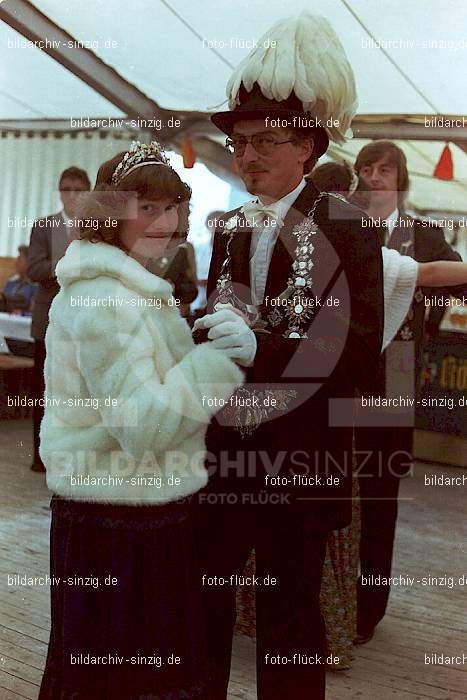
50, 238
384, 450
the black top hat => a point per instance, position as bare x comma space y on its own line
254, 105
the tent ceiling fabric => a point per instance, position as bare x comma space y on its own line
180, 56
166, 52
45, 88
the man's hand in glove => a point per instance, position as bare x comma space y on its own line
229, 332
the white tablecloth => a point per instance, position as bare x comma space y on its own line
12, 326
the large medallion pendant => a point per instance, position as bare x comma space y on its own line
298, 312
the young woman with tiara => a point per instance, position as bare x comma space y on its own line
128, 400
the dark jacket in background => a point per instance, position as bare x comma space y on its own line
49, 241
175, 267
400, 365
425, 242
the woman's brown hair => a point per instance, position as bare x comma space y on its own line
106, 203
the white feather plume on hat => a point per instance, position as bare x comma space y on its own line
302, 55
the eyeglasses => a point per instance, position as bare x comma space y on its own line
71, 189
262, 143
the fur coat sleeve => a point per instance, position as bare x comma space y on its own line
123, 354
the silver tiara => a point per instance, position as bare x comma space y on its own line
138, 155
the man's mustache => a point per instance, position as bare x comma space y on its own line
254, 168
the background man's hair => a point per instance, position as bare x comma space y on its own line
212, 219
332, 177
75, 173
376, 150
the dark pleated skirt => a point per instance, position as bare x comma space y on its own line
138, 636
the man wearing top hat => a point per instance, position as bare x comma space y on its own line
295, 292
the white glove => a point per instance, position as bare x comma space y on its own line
229, 332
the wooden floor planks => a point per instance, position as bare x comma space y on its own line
431, 539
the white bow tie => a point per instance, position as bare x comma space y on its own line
261, 215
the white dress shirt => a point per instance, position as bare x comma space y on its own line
391, 221
263, 240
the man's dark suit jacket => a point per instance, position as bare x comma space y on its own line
309, 434
425, 242
174, 266
49, 241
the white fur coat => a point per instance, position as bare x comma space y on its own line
128, 394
